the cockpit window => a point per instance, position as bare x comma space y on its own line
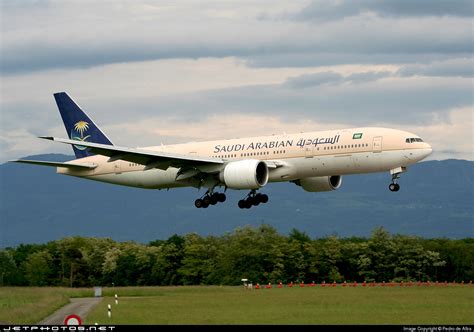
413, 140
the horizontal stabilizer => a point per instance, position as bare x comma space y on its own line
76, 167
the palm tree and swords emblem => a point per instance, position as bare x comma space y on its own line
79, 128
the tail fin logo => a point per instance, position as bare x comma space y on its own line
77, 133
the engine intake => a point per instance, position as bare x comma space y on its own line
245, 174
320, 183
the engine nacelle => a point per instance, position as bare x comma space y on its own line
245, 174
320, 183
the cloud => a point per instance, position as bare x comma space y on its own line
176, 71
322, 10
83, 35
453, 67
452, 138
400, 100
330, 77
200, 96
311, 80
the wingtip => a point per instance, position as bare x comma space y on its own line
51, 138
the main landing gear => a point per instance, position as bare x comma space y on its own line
209, 199
253, 199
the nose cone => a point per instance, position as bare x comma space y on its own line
419, 153
425, 151
428, 149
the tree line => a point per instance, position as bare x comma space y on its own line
259, 254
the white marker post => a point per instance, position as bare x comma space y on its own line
109, 310
116, 299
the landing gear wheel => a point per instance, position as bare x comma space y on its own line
253, 200
242, 204
198, 203
264, 198
394, 187
213, 199
207, 200
221, 198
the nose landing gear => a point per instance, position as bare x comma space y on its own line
253, 199
394, 186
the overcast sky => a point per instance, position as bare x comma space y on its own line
152, 72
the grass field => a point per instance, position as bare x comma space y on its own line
235, 305
28, 305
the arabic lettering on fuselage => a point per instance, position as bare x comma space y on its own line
318, 141
302, 142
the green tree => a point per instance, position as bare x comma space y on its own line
299, 255
412, 261
255, 254
37, 268
8, 268
168, 261
378, 261
200, 260
328, 257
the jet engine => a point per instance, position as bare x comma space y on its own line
245, 174
320, 183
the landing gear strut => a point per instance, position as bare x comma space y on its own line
209, 198
253, 199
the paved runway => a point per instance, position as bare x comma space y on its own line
77, 306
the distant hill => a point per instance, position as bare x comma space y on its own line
37, 205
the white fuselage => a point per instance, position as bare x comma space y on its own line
297, 156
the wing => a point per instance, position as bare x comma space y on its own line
151, 159
56, 164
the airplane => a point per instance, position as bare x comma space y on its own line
315, 161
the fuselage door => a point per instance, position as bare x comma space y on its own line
377, 145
